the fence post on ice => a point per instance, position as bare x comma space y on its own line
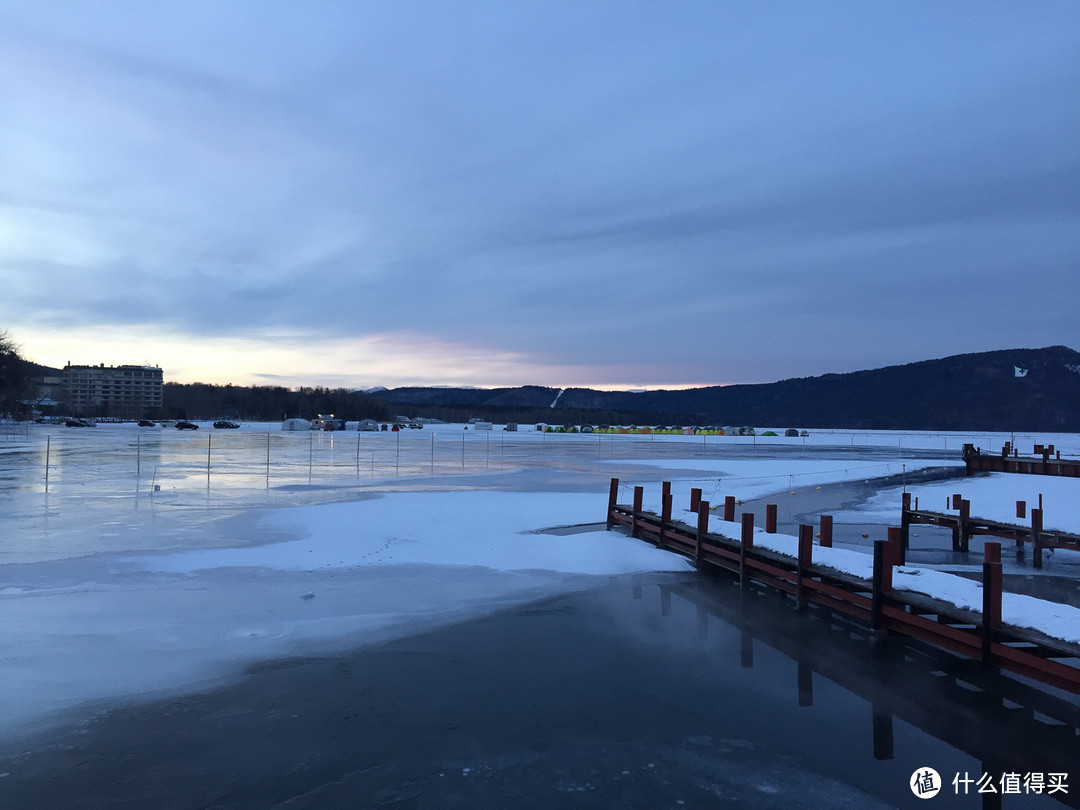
695, 498
48, 453
770, 518
729, 508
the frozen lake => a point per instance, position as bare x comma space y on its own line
145, 565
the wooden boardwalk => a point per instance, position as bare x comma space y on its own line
1045, 461
964, 527
874, 602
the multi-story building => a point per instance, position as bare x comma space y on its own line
128, 392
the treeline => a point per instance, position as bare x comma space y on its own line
267, 403
502, 414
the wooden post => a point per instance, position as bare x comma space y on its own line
881, 585
613, 493
665, 494
965, 517
665, 519
825, 529
956, 498
1021, 509
729, 508
746, 544
770, 518
899, 556
905, 518
639, 496
991, 607
1036, 537
695, 499
806, 552
702, 530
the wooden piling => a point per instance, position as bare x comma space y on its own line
639, 497
880, 585
806, 552
896, 546
1036, 537
695, 499
991, 606
729, 508
613, 494
665, 519
770, 518
965, 518
702, 530
905, 518
747, 543
825, 541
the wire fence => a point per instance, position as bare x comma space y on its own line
117, 459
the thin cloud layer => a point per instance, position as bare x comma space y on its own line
589, 194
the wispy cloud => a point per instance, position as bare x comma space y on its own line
612, 193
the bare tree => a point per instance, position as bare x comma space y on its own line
12, 372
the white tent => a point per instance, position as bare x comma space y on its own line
296, 424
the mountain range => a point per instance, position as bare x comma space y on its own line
1007, 390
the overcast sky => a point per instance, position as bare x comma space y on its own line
608, 194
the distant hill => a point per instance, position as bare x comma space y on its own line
1013, 389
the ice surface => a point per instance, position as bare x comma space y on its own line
139, 561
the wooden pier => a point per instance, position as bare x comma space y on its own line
1046, 460
964, 527
874, 603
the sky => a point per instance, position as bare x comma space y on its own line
604, 194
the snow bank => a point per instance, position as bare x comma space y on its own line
472, 528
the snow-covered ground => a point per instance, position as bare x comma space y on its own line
136, 561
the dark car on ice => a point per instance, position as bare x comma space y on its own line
225, 424
185, 425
